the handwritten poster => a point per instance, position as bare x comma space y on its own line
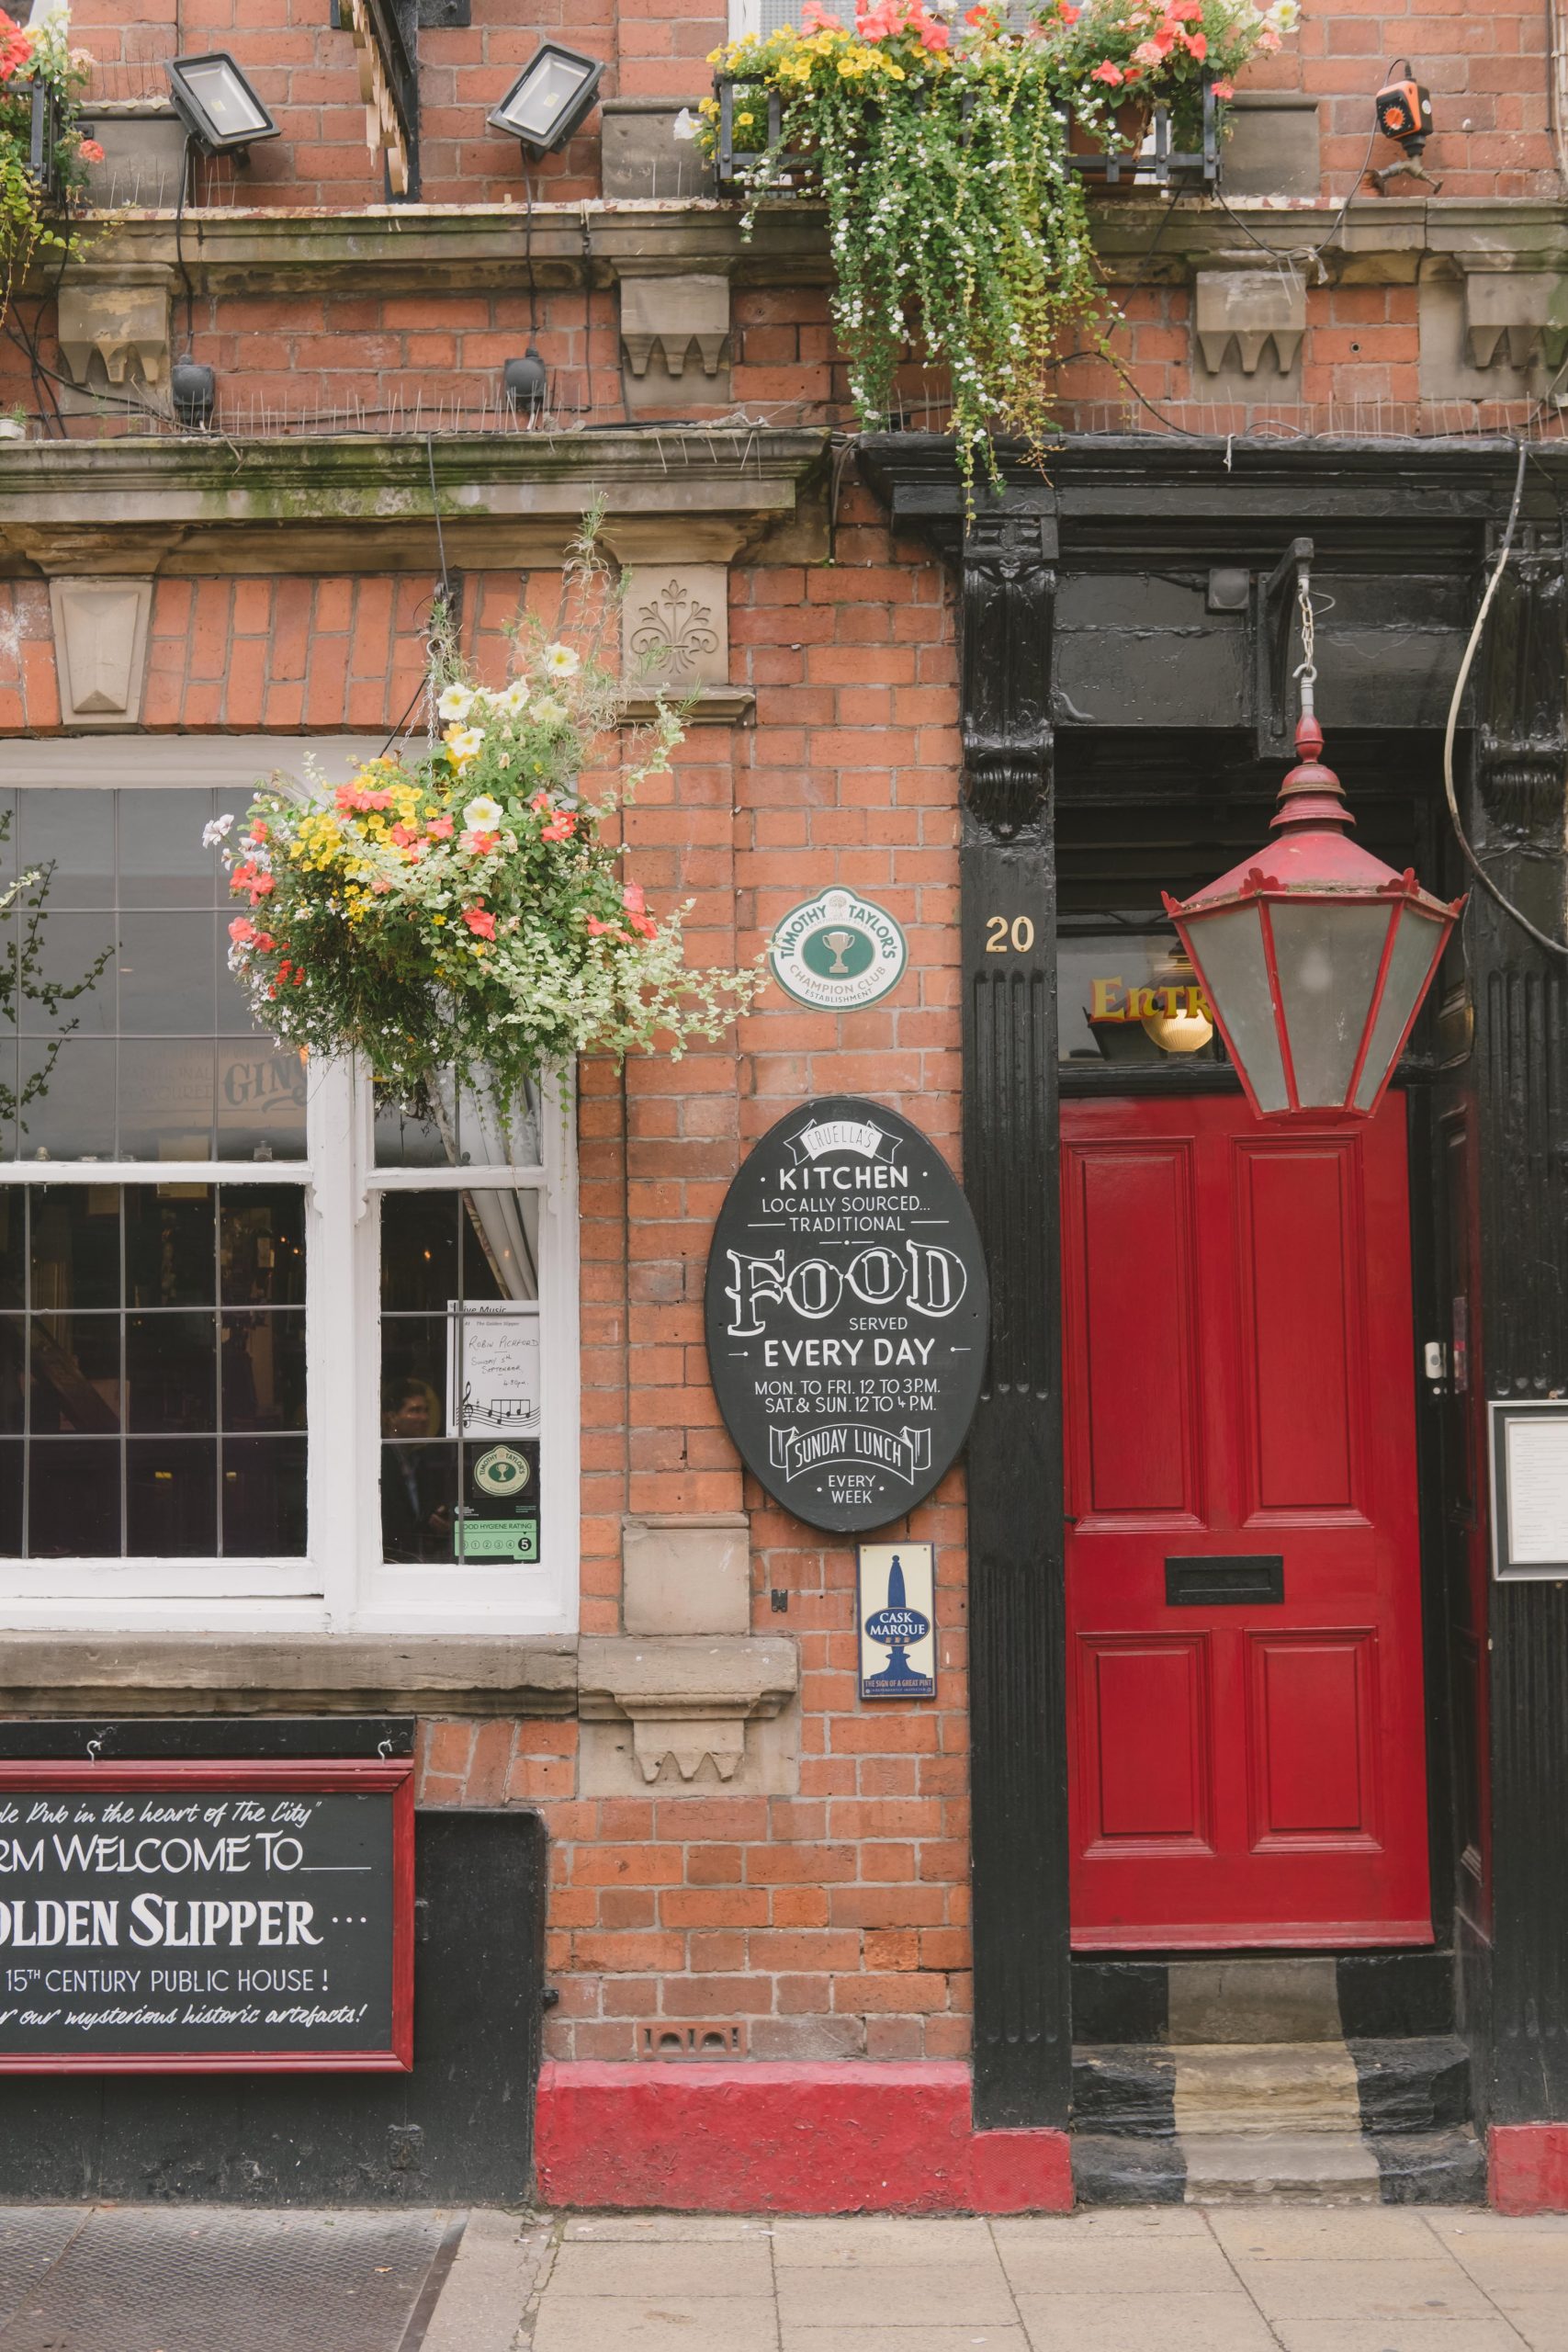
492, 1369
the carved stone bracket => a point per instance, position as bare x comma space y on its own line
1249, 310
675, 319
1519, 315
100, 648
1521, 698
116, 313
1009, 593
688, 1698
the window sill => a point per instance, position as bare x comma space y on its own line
51, 1673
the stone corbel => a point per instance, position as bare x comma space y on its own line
675, 616
1521, 314
100, 648
117, 313
680, 322
1251, 310
688, 1698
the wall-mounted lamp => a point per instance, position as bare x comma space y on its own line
549, 98
218, 105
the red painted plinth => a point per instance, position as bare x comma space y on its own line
825, 2139
1528, 2167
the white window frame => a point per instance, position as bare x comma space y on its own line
341, 1584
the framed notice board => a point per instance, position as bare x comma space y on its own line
1529, 1489
193, 1917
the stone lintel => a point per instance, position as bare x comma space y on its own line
227, 1674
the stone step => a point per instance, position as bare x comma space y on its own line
1330, 2167
1141, 2090
1274, 2088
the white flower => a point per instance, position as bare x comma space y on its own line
484, 815
560, 662
1284, 16
549, 712
455, 702
463, 742
685, 125
514, 699
215, 833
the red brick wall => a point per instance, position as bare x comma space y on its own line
1486, 67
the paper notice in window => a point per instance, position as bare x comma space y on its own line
1538, 1491
492, 1370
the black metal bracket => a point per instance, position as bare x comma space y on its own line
43, 140
1272, 619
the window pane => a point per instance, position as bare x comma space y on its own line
163, 862
261, 1246
463, 1133
72, 832
418, 1501
501, 1245
419, 1252
73, 1498
264, 1497
261, 1100
167, 1098
76, 956
11, 1476
13, 1376
264, 1371
75, 1247
170, 1246
413, 1376
167, 967
171, 1498
13, 1247
171, 1371
67, 1099
75, 1388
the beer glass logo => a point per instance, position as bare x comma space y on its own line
838, 952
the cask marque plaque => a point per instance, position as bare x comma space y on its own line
847, 1314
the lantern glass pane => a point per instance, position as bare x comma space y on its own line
223, 99
538, 106
1416, 939
1328, 951
1227, 949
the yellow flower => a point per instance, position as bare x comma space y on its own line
744, 121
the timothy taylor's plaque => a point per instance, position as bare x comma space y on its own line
210, 1918
847, 1314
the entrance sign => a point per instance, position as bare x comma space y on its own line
838, 952
1529, 1489
897, 1615
207, 1919
847, 1314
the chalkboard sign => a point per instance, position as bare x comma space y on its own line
210, 1918
847, 1314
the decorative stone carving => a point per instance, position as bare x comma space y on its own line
118, 314
689, 1699
1520, 314
686, 1575
1251, 311
675, 614
674, 319
100, 648
1521, 698
1010, 597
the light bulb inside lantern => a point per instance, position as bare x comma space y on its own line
1181, 1023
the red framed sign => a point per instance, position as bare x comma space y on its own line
207, 1919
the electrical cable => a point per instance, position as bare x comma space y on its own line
436, 509
1553, 946
179, 244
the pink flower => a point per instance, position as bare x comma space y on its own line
1106, 72
598, 930
441, 828
1148, 52
480, 922
90, 151
243, 931
560, 830
478, 844
1198, 45
380, 885
1225, 89
934, 36
632, 899
541, 802
405, 835
814, 19
1069, 15
1185, 12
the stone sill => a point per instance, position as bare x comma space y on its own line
246, 1674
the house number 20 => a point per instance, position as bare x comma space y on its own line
1001, 934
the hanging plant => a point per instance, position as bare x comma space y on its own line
462, 914
956, 222
37, 59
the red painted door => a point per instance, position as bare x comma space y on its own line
1244, 1615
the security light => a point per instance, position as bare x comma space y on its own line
549, 98
216, 105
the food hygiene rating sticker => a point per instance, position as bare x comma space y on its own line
838, 952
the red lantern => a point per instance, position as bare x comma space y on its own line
1315, 955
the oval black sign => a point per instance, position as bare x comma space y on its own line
847, 1314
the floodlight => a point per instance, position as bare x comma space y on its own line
216, 105
549, 98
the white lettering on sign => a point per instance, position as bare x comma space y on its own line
928, 1278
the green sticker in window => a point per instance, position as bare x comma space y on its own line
497, 1539
503, 1471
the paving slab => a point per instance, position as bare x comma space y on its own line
1125, 2266
1396, 2336
1112, 2323
499, 2262
877, 2240
1101, 2221
1437, 2289
1541, 2320
661, 2229
665, 2323
690, 2269
1474, 2221
897, 2295
1330, 2233
965, 2338
1527, 2264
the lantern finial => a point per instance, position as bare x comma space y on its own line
1310, 793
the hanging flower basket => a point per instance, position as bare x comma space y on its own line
43, 156
460, 914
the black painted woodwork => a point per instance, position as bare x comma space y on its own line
1514, 815
1023, 2008
1121, 641
164, 1740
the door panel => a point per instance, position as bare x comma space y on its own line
1248, 1747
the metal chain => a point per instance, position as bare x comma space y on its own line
1306, 669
